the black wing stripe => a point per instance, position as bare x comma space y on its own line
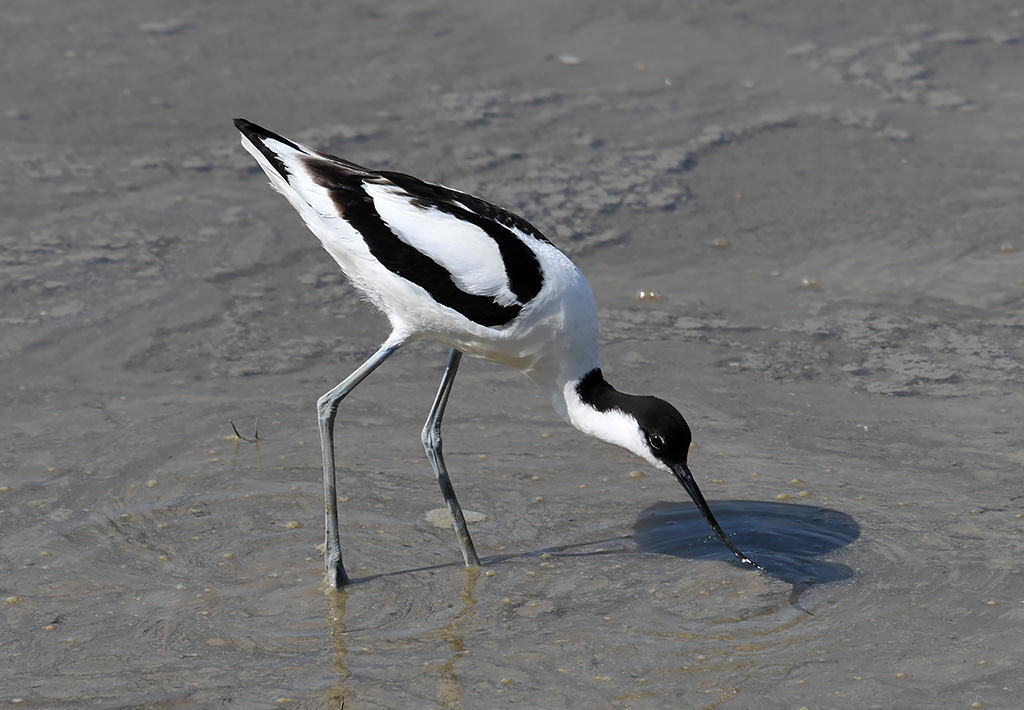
525, 275
434, 194
357, 208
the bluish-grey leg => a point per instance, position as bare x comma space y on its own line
327, 409
432, 445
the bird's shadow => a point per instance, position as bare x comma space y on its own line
787, 540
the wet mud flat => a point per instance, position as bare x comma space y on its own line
820, 203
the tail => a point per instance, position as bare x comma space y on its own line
298, 172
275, 154
317, 184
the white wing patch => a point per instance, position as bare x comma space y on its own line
464, 250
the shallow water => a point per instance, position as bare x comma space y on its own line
825, 204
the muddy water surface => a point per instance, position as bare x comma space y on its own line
824, 199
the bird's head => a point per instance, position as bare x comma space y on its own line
664, 434
651, 428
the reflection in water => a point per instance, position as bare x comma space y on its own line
336, 601
239, 439
450, 694
784, 538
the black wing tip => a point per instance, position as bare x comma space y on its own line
250, 130
257, 134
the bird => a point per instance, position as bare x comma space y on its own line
446, 266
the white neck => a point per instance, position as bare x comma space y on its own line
613, 425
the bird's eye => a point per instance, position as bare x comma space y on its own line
656, 441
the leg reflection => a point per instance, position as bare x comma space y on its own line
449, 692
336, 601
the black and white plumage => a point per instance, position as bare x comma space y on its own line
447, 266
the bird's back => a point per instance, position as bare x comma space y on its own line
439, 263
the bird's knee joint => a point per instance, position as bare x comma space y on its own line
431, 438
326, 408
430, 441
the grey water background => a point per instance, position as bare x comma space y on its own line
824, 199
